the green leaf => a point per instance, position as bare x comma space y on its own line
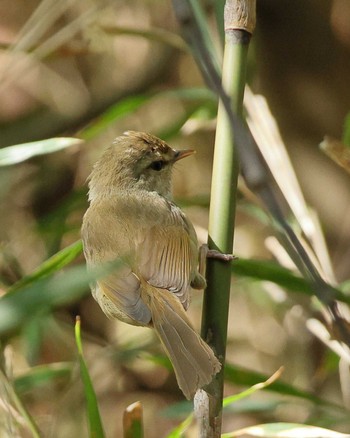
253, 406
155, 34
241, 376
42, 375
219, 6
179, 430
21, 152
256, 387
53, 264
285, 430
46, 294
272, 271
115, 112
21, 305
131, 104
95, 423
201, 20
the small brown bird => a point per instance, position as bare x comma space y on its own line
132, 219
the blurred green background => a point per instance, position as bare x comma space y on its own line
93, 69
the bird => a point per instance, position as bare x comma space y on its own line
133, 220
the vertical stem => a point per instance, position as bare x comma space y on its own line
223, 205
132, 421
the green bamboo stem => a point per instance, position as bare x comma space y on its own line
222, 210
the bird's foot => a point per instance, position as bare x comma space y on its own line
214, 254
205, 253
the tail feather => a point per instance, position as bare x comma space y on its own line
193, 360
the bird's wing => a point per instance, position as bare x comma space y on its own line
166, 251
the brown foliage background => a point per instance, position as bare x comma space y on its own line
299, 61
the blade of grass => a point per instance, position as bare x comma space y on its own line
22, 152
120, 109
242, 376
63, 220
53, 264
268, 137
256, 387
45, 294
132, 103
219, 6
42, 375
155, 34
267, 270
179, 430
285, 430
95, 423
201, 21
11, 395
255, 381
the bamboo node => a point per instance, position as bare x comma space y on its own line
240, 15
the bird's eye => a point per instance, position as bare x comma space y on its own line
157, 165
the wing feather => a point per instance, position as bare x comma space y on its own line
155, 242
166, 253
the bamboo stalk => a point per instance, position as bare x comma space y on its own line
239, 23
132, 421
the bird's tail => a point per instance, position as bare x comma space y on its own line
193, 360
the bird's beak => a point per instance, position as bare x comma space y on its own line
183, 153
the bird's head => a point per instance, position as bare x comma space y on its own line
135, 160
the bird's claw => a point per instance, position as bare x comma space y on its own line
205, 253
217, 255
